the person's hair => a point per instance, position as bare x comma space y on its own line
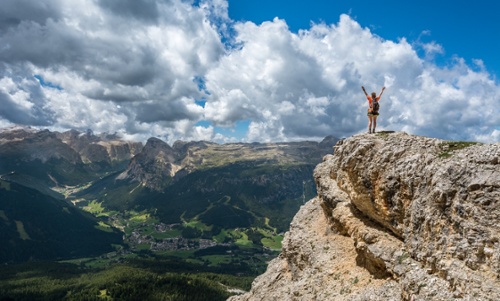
374, 95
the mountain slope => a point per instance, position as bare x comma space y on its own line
102, 151
34, 226
221, 186
238, 195
40, 158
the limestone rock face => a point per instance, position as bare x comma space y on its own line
103, 148
155, 163
397, 217
28, 145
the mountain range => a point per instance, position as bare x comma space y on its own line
209, 194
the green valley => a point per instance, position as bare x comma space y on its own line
195, 219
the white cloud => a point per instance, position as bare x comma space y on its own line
309, 83
138, 67
143, 55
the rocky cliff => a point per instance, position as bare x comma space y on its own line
102, 148
37, 158
30, 145
397, 217
155, 163
73, 146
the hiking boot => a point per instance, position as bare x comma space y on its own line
369, 131
373, 132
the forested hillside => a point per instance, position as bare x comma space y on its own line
34, 226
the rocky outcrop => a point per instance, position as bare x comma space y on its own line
397, 217
28, 145
154, 166
37, 158
103, 148
73, 146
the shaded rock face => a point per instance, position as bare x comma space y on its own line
102, 148
397, 217
73, 146
156, 162
28, 146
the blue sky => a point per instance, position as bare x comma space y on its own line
469, 29
245, 71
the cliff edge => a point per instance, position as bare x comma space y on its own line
397, 217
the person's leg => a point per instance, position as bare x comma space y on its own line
374, 123
370, 117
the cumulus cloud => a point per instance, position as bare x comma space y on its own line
178, 70
23, 101
121, 66
307, 85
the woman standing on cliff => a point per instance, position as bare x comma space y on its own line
373, 107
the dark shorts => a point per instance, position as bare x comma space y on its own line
372, 114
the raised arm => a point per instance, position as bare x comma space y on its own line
380, 95
363, 88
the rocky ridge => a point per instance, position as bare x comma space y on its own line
158, 164
73, 146
42, 159
30, 145
103, 148
397, 217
